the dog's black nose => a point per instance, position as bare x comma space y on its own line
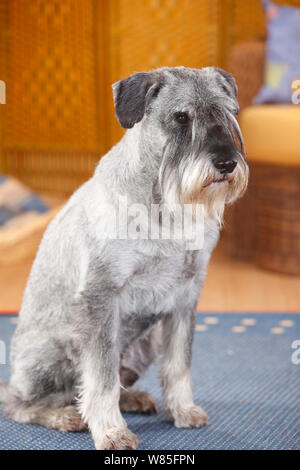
225, 166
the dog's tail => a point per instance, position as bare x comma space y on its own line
4, 392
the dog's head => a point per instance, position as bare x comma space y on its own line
189, 126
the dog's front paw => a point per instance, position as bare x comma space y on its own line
117, 439
191, 417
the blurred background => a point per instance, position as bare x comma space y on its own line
58, 60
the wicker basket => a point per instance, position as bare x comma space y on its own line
277, 217
265, 225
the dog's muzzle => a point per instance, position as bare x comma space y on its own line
225, 165
223, 152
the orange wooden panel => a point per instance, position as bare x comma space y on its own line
52, 81
53, 125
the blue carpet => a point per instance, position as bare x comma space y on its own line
244, 378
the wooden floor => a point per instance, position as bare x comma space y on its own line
230, 286
238, 286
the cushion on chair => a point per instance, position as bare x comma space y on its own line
272, 133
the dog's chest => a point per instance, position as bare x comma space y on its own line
156, 278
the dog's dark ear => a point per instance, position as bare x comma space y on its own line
133, 94
230, 86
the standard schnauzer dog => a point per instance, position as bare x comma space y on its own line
97, 310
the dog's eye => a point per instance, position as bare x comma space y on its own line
182, 118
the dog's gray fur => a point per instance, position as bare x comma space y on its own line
95, 309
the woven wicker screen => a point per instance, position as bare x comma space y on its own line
60, 57
52, 134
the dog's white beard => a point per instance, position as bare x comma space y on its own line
196, 183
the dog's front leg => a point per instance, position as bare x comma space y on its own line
100, 390
178, 333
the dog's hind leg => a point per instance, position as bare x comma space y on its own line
64, 418
134, 401
134, 362
42, 388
